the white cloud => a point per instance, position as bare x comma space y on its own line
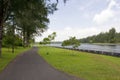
81, 8
63, 34
109, 16
112, 4
106, 14
67, 28
78, 32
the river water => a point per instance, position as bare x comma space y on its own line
86, 46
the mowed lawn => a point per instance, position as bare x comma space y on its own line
81, 64
8, 56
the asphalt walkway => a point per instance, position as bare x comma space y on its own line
31, 66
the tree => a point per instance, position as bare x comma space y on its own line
112, 33
117, 38
10, 39
48, 39
34, 20
71, 41
52, 36
32, 7
106, 37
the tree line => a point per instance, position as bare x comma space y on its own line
21, 20
104, 37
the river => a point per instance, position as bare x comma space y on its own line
87, 46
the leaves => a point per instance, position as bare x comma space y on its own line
71, 41
48, 39
107, 37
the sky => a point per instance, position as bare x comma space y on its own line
83, 18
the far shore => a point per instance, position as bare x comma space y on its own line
108, 44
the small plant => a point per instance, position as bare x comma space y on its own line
47, 53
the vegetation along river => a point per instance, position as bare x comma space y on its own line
97, 47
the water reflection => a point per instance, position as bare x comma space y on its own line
107, 48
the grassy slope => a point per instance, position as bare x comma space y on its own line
7, 56
82, 64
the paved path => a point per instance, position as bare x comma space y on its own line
31, 66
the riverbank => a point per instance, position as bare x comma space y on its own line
82, 64
106, 44
95, 52
112, 50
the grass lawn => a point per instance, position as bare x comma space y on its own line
8, 56
81, 64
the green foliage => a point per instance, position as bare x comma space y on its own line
72, 41
33, 20
48, 39
108, 37
30, 19
8, 41
10, 38
81, 64
52, 36
111, 34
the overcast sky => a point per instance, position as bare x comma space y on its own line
82, 18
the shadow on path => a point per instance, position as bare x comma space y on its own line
31, 66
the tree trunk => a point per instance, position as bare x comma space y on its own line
24, 39
13, 36
0, 38
28, 40
1, 25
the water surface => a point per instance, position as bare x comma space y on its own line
87, 46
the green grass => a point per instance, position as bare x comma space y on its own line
81, 64
8, 56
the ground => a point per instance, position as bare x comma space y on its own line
31, 66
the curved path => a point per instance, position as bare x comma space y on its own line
31, 66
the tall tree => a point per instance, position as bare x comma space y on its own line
18, 7
112, 33
10, 39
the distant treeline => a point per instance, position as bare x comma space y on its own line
107, 37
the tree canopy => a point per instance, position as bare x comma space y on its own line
71, 41
107, 37
47, 40
30, 17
